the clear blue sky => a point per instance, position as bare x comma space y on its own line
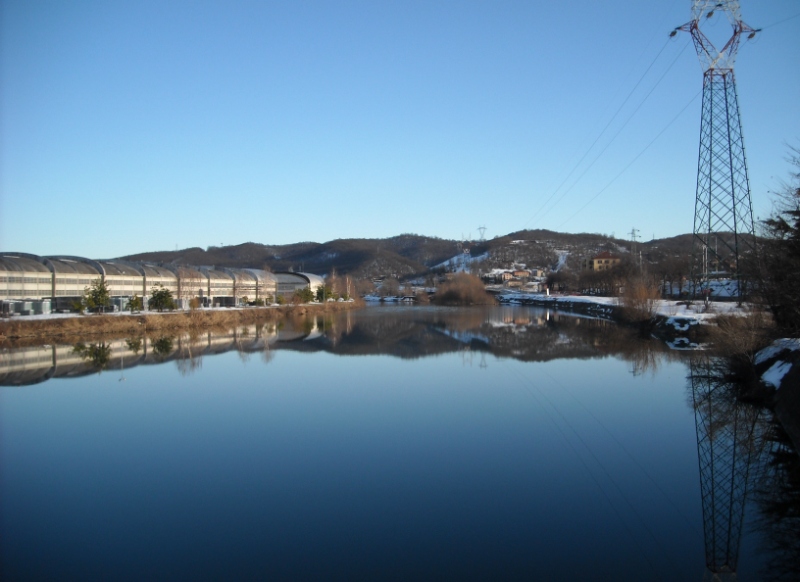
139, 126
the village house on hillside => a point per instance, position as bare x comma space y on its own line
532, 280
601, 262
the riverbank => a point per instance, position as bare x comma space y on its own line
611, 306
63, 326
669, 320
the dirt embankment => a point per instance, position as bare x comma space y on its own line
61, 329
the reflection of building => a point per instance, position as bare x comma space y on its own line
32, 284
32, 365
727, 448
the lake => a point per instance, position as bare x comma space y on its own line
388, 443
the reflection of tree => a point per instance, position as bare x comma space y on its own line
162, 347
134, 344
240, 342
190, 350
96, 354
644, 357
778, 497
728, 448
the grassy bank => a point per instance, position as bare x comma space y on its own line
65, 328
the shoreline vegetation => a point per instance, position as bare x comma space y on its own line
80, 326
463, 290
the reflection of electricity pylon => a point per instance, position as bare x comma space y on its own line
727, 450
722, 203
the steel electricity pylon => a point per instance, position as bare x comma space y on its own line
723, 217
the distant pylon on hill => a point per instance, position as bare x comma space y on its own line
723, 217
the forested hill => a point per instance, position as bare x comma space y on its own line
400, 255
408, 254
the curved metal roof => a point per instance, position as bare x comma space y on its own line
241, 275
71, 265
215, 274
308, 278
313, 280
114, 268
161, 272
18, 263
263, 276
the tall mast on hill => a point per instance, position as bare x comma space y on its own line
723, 212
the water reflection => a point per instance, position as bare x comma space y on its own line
97, 355
777, 495
521, 333
310, 451
743, 453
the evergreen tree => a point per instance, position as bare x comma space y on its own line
161, 298
304, 295
323, 293
96, 295
135, 304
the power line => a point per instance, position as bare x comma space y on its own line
602, 132
615, 178
780, 21
600, 135
619, 131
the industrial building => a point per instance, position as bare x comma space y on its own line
31, 284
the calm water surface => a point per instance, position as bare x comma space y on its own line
382, 444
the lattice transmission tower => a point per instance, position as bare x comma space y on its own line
723, 217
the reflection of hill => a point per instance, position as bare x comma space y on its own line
523, 333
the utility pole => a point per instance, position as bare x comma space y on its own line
635, 237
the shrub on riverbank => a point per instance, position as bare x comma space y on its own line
638, 302
741, 336
737, 340
463, 289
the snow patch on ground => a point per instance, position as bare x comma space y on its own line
681, 324
460, 263
788, 343
776, 373
562, 260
